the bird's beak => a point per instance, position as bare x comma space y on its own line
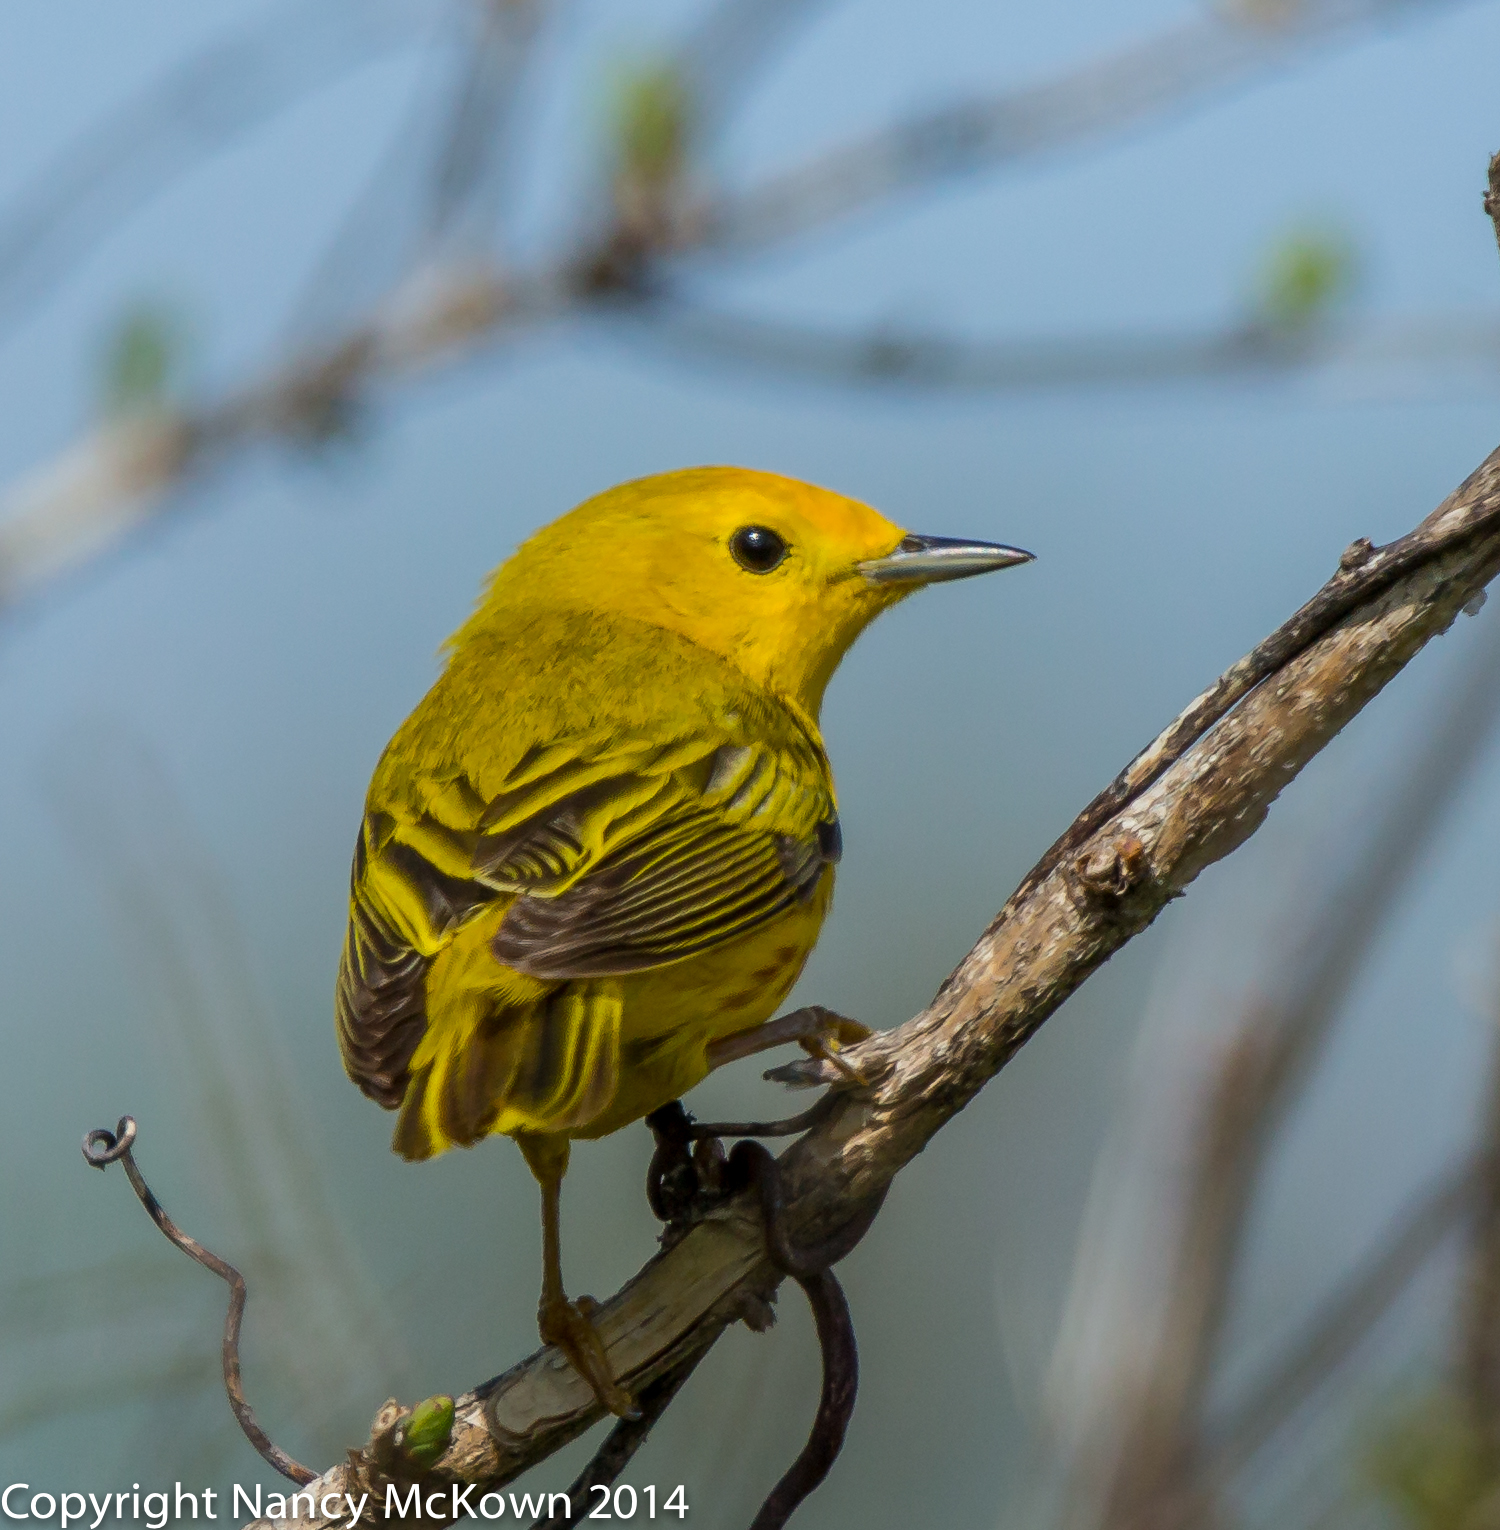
927, 560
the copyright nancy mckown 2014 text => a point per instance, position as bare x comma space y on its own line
156, 1509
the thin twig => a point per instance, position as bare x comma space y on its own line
1250, 351
1182, 63
788, 1126
85, 501
752, 1163
101, 1148
835, 1401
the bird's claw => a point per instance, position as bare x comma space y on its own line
569, 1325
824, 1041
839, 1030
827, 1035
836, 1033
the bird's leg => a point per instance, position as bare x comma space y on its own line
818, 1031
686, 1177
567, 1324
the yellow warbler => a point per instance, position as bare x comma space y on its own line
595, 858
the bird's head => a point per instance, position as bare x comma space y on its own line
778, 576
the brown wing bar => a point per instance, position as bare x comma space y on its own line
689, 886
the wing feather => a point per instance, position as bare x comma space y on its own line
661, 902
614, 857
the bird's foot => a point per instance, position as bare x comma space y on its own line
833, 1032
570, 1326
689, 1175
823, 1035
685, 1178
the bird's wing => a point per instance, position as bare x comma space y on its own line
612, 859
688, 884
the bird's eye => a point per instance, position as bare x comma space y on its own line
757, 549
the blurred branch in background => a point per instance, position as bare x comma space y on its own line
725, 54
437, 194
1289, 325
1246, 352
1141, 1336
636, 245
1199, 58
1231, 1436
1476, 1361
1438, 1456
319, 1339
194, 111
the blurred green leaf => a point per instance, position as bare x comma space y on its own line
652, 122
1304, 276
1433, 1466
143, 360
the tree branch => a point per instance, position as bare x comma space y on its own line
1181, 64
1271, 1050
107, 485
1197, 793
1342, 1321
1250, 350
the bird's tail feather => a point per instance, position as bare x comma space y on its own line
546, 1067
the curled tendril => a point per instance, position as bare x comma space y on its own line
102, 1147
752, 1165
676, 1180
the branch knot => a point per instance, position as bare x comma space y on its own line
1356, 554
1107, 872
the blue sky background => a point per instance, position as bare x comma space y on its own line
262, 645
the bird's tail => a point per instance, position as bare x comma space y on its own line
547, 1066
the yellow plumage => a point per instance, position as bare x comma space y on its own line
605, 839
